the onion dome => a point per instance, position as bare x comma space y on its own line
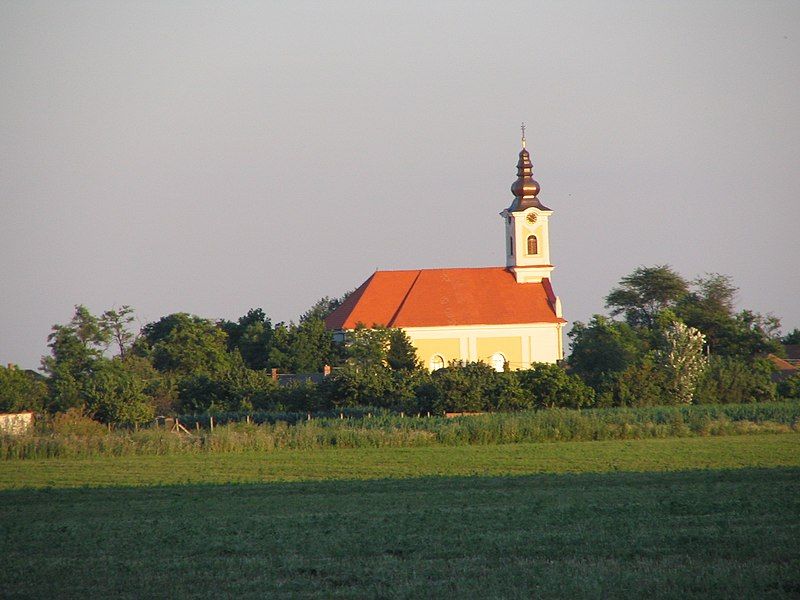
525, 185
525, 188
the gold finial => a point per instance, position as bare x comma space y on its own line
523, 134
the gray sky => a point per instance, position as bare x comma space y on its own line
213, 157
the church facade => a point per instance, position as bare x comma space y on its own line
508, 317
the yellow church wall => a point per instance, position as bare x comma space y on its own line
520, 344
448, 348
510, 347
543, 344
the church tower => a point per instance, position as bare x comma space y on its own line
527, 239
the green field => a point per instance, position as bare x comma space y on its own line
691, 517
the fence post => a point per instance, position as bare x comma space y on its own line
211, 421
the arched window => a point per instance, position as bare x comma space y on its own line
437, 362
533, 245
498, 362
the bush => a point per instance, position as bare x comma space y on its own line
74, 435
117, 395
371, 386
644, 383
74, 422
731, 380
790, 388
549, 386
21, 390
468, 388
238, 389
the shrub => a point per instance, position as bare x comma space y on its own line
790, 388
115, 394
21, 390
237, 389
371, 386
549, 386
74, 422
644, 383
731, 380
464, 388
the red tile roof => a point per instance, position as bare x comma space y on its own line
441, 297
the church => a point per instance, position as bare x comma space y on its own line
508, 317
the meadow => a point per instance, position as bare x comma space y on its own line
690, 517
68, 437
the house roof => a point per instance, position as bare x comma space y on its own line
781, 364
442, 297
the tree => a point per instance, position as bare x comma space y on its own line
791, 338
312, 347
646, 292
251, 336
682, 356
367, 347
709, 307
303, 348
21, 390
790, 387
642, 383
184, 344
116, 394
75, 348
550, 386
323, 307
379, 387
463, 388
733, 380
115, 324
401, 354
602, 348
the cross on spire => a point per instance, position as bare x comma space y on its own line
523, 134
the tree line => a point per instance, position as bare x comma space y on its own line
667, 341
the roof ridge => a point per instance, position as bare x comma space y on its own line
498, 267
350, 303
403, 301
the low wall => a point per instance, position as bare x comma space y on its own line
16, 423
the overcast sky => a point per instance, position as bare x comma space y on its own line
214, 157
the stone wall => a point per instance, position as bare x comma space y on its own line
16, 423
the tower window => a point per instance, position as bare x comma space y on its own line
533, 245
511, 246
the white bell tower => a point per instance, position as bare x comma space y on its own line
526, 222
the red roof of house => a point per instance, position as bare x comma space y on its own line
441, 297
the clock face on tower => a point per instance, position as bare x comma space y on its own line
532, 218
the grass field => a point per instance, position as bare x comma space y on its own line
669, 454
693, 517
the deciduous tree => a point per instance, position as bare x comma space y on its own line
646, 292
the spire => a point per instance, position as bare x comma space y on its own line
525, 188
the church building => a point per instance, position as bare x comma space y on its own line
508, 317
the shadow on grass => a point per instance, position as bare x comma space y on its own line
713, 533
